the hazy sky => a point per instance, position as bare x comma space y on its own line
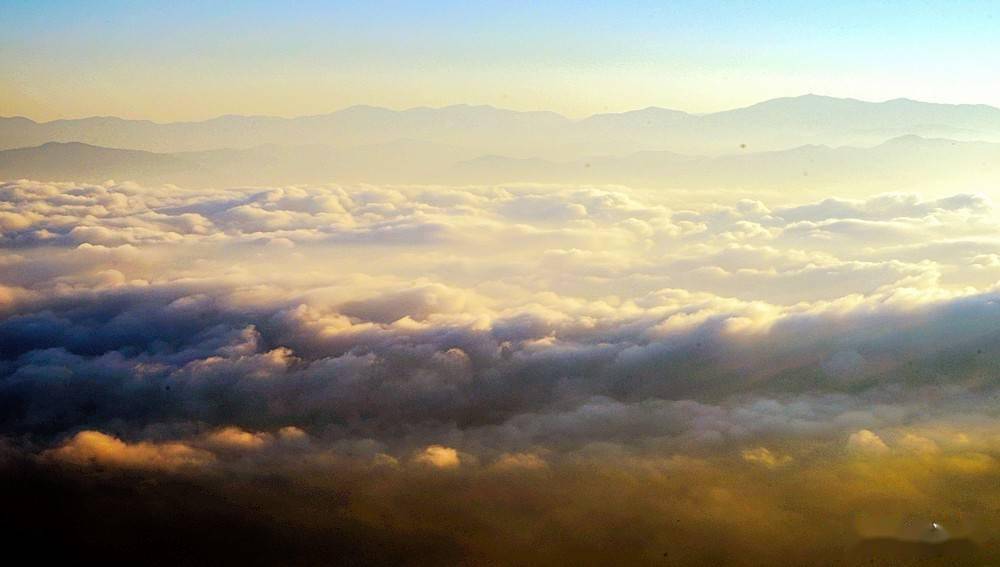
190, 60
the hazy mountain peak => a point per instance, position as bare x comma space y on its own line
360, 108
650, 112
804, 101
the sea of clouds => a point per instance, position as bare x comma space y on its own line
529, 347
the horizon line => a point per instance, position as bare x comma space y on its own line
494, 107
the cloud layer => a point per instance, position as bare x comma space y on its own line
511, 332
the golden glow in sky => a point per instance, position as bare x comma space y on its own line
182, 61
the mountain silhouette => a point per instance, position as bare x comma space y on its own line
776, 124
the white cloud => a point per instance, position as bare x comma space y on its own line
497, 317
865, 442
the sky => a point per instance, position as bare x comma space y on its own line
193, 60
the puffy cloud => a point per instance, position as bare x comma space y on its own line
438, 456
865, 442
626, 313
236, 438
292, 434
96, 448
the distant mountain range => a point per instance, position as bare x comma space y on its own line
772, 125
804, 142
898, 164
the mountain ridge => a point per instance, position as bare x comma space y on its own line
901, 163
807, 96
774, 124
